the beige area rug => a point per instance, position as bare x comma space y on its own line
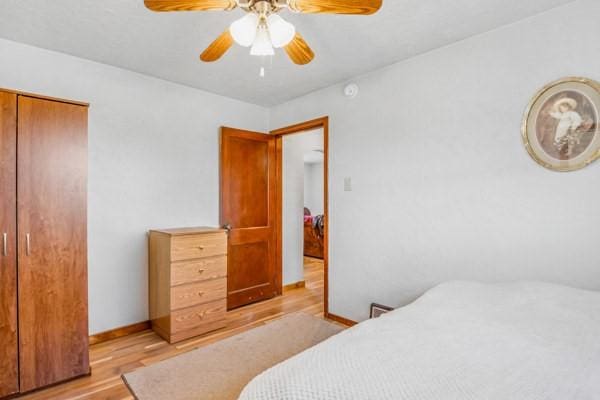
221, 370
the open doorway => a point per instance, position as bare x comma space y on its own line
302, 206
302, 212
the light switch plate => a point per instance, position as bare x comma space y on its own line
347, 184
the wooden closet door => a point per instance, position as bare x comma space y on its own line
9, 367
52, 224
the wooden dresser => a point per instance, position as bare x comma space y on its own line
188, 281
313, 243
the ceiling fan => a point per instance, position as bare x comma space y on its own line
262, 29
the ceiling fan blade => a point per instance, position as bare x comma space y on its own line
299, 51
362, 7
190, 5
218, 47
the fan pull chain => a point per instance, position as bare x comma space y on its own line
262, 71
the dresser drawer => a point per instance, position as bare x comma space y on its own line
198, 270
199, 316
198, 293
191, 247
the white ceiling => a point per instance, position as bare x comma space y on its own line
125, 34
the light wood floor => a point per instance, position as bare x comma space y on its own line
111, 359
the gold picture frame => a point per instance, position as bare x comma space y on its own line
561, 126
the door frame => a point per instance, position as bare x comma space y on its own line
323, 123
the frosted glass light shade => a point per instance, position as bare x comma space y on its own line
262, 44
243, 30
282, 32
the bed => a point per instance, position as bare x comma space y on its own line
460, 340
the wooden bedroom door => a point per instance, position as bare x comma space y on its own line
9, 365
52, 232
248, 190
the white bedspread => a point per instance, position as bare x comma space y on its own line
461, 340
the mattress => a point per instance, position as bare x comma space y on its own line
460, 340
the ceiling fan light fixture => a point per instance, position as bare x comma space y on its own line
281, 31
261, 28
262, 43
244, 29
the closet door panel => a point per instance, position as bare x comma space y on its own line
9, 367
52, 215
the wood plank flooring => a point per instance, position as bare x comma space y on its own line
111, 359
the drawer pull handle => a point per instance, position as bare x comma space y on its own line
206, 247
5, 244
188, 295
201, 271
183, 318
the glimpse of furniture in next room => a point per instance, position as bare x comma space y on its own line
43, 242
188, 281
313, 235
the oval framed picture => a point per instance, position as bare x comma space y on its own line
561, 128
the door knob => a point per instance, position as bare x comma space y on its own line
227, 227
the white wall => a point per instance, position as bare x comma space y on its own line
295, 149
314, 186
442, 186
153, 163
